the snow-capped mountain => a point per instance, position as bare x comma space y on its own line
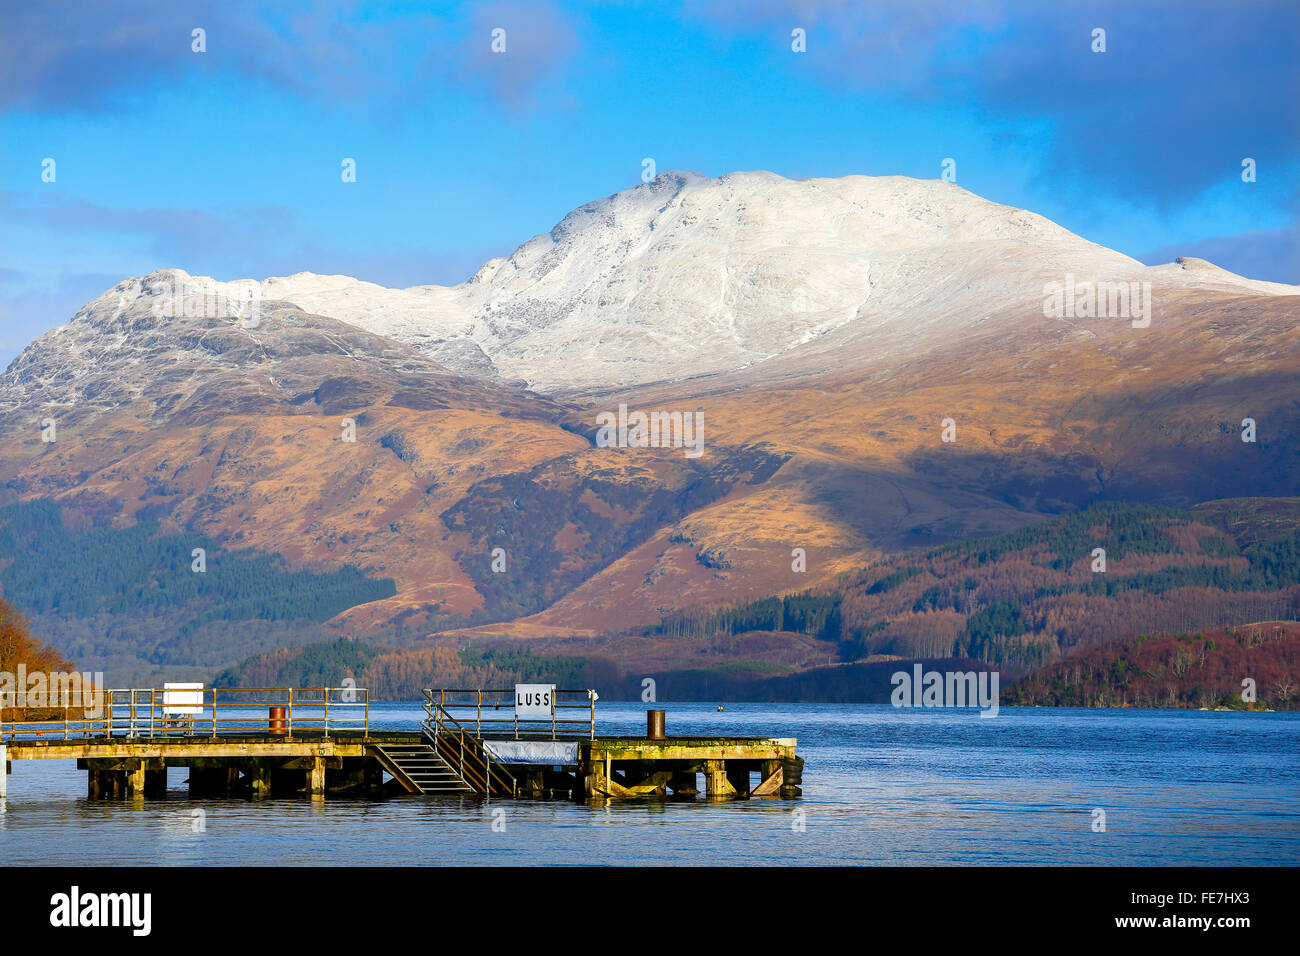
687, 276
828, 331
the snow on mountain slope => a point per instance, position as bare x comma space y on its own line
168, 343
688, 275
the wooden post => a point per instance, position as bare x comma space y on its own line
316, 776
259, 774
155, 782
716, 784
534, 782
595, 781
738, 777
683, 784
374, 776
135, 778
208, 780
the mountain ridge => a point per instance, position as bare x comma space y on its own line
687, 276
289, 430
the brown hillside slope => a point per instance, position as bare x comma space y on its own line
830, 448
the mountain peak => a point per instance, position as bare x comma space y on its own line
687, 275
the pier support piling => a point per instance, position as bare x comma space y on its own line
683, 784
213, 781
316, 777
373, 775
716, 784
130, 777
135, 778
738, 778
259, 777
155, 782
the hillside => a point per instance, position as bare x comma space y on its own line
1030, 597
403, 675
1203, 670
346, 427
131, 601
1021, 603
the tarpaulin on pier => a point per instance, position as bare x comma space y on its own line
552, 752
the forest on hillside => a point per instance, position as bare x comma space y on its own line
1242, 668
1028, 602
1024, 599
403, 675
128, 600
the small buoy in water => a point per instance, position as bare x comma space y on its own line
719, 708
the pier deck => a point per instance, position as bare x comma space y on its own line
285, 755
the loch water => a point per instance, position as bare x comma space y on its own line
881, 786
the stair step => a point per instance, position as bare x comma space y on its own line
425, 768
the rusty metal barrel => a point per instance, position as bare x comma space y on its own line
655, 725
278, 725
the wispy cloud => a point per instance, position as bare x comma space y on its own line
218, 244
1183, 92
171, 233
1269, 254
539, 42
67, 57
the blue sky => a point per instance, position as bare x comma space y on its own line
227, 162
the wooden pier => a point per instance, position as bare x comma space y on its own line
269, 742
739, 767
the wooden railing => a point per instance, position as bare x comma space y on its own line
210, 712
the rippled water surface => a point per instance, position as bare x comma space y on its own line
880, 786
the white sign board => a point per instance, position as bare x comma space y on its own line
534, 701
182, 699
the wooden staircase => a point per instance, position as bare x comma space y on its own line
419, 769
